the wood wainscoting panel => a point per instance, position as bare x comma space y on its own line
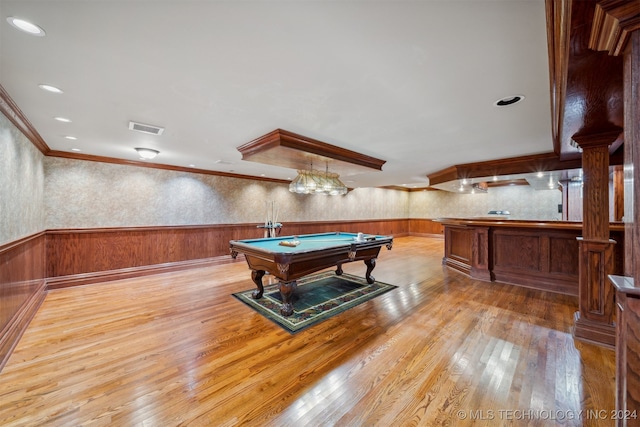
386, 227
82, 256
458, 243
563, 255
541, 259
516, 250
425, 227
22, 288
81, 251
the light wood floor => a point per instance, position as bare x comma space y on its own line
178, 349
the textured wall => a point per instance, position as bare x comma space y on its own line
82, 194
21, 184
521, 200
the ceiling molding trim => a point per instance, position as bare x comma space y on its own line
613, 22
112, 160
290, 150
12, 112
507, 166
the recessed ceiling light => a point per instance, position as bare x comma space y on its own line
73, 138
62, 119
508, 100
192, 166
539, 174
75, 149
26, 26
50, 88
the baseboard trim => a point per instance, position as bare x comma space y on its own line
128, 273
13, 330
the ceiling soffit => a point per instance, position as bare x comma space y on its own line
290, 150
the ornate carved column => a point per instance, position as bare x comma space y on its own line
594, 320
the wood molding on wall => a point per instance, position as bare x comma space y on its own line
22, 288
79, 254
12, 112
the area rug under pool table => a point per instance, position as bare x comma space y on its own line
317, 298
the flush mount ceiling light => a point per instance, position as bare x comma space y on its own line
508, 100
50, 88
26, 26
147, 153
62, 119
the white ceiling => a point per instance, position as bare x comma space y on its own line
410, 82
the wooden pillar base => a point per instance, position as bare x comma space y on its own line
594, 320
594, 332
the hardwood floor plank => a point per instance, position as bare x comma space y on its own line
178, 349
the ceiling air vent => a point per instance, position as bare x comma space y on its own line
150, 129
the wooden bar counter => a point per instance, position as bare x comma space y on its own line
536, 254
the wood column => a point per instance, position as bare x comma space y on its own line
628, 288
594, 320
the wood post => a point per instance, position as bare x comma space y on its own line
594, 320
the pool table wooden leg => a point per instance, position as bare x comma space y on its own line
371, 264
286, 291
339, 270
256, 276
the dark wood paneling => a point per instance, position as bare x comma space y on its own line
22, 290
78, 251
628, 297
507, 166
577, 78
387, 227
425, 227
294, 151
460, 242
542, 259
632, 354
516, 250
563, 255
541, 255
83, 251
457, 248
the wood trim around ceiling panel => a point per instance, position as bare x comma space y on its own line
290, 150
12, 112
113, 160
613, 22
508, 166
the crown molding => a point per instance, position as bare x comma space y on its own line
12, 112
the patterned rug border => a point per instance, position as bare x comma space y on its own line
303, 319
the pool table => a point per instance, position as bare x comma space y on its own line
305, 255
